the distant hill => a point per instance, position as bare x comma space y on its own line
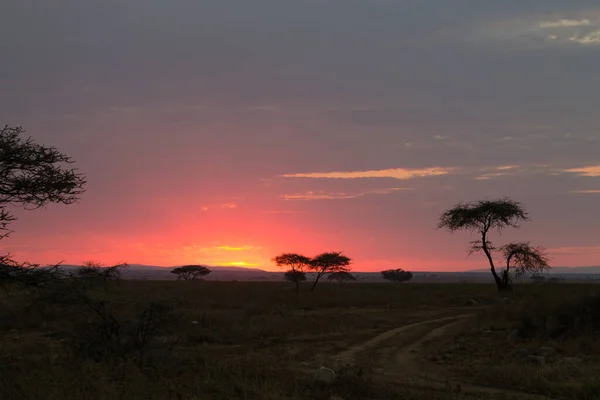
228, 273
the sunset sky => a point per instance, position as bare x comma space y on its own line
228, 131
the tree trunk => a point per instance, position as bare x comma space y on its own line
312, 288
499, 282
297, 286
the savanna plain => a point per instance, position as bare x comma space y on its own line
132, 339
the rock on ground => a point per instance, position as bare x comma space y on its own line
324, 375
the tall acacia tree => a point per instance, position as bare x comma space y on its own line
483, 216
297, 264
327, 263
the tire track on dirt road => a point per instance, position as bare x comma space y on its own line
406, 365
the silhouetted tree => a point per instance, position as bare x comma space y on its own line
26, 275
33, 175
327, 263
295, 277
524, 259
297, 264
341, 276
396, 275
95, 271
482, 216
190, 272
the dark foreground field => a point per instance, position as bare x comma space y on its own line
219, 340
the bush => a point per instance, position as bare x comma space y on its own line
569, 318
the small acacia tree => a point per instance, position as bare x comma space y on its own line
485, 215
327, 263
397, 275
341, 277
190, 272
297, 264
295, 277
524, 259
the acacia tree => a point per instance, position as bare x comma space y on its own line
297, 264
396, 275
481, 217
327, 263
341, 277
523, 258
31, 176
95, 271
295, 277
190, 272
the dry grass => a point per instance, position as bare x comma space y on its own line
250, 339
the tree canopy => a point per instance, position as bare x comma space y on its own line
341, 276
327, 263
483, 215
190, 272
396, 275
524, 258
297, 264
33, 175
294, 277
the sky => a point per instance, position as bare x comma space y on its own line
229, 131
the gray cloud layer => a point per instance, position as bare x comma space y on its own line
152, 95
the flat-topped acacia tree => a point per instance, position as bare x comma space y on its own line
327, 263
190, 272
341, 277
485, 215
297, 264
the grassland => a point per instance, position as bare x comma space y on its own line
252, 340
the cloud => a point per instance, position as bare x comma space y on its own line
564, 23
395, 173
322, 195
229, 205
591, 38
591, 191
195, 249
580, 27
591, 170
233, 248
502, 170
575, 250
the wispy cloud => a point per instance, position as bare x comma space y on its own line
564, 23
590, 191
228, 248
580, 27
591, 170
495, 172
395, 173
322, 195
591, 38
575, 250
229, 205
